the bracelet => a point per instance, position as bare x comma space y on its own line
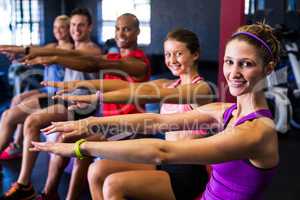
77, 149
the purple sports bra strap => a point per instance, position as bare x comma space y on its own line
255, 115
227, 114
259, 113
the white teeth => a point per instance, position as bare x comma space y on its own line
237, 84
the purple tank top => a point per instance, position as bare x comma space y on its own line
238, 179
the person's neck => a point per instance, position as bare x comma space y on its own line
187, 78
62, 43
78, 44
250, 102
126, 51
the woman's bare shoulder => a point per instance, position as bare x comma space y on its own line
215, 110
214, 107
258, 131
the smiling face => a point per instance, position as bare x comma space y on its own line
178, 57
126, 32
60, 30
243, 67
80, 28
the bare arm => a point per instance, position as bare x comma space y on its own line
52, 51
153, 92
118, 91
231, 144
147, 123
98, 84
124, 96
13, 49
90, 63
260, 147
47, 50
132, 66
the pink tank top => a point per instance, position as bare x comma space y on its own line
168, 108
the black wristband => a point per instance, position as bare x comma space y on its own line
27, 50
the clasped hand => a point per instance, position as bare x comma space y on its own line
69, 129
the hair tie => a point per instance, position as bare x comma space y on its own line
256, 38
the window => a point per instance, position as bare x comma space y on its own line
22, 22
291, 5
111, 9
261, 5
251, 6
5, 32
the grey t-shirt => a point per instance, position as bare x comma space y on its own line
72, 75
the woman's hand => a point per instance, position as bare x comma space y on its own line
69, 129
78, 101
62, 149
89, 99
65, 87
11, 49
58, 84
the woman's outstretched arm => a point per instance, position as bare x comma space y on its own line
147, 123
252, 141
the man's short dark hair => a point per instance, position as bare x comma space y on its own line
83, 12
136, 20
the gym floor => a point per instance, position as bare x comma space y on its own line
10, 171
285, 184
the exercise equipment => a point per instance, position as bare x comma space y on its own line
283, 92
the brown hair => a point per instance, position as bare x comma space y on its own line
265, 33
185, 36
84, 12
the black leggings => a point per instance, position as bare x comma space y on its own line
187, 181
